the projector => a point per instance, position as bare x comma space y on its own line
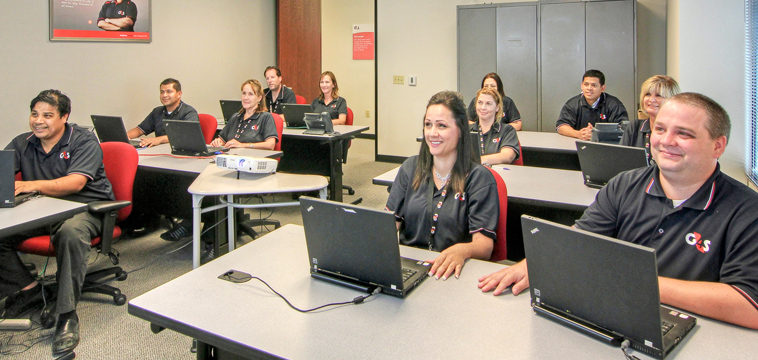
246, 164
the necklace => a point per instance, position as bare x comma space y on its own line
444, 179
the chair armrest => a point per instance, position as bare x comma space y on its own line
107, 206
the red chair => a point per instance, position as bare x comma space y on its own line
300, 100
279, 129
120, 160
500, 251
520, 160
209, 125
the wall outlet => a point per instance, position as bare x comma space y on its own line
368, 113
398, 79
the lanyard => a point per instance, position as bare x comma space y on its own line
241, 129
435, 208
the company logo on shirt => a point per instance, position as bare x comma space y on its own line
461, 197
602, 116
255, 127
121, 12
701, 245
495, 140
65, 155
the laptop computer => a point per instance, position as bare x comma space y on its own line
8, 199
601, 162
111, 128
186, 138
229, 108
318, 124
357, 247
603, 287
294, 114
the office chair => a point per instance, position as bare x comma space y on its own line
209, 125
500, 251
120, 160
520, 160
345, 146
300, 100
245, 223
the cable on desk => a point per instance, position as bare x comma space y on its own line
624, 346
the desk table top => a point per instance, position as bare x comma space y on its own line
216, 181
37, 212
160, 157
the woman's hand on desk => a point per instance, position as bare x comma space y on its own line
515, 275
218, 142
451, 260
233, 143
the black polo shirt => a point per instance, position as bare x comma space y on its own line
255, 129
114, 10
637, 134
154, 121
334, 108
77, 152
510, 112
496, 139
459, 217
713, 236
286, 96
578, 114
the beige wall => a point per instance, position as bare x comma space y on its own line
355, 77
195, 41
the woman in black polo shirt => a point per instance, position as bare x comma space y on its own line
442, 199
253, 126
510, 114
330, 100
498, 143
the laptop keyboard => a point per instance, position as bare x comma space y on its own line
666, 327
407, 273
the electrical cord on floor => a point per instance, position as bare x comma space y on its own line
229, 275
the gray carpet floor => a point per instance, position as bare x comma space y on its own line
109, 332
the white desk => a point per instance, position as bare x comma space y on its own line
216, 181
36, 213
449, 319
160, 157
548, 149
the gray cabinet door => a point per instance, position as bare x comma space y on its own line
517, 59
477, 49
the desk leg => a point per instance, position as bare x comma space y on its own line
197, 201
335, 178
322, 193
230, 215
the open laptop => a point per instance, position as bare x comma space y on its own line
186, 138
294, 114
8, 199
601, 162
111, 128
357, 247
229, 108
603, 287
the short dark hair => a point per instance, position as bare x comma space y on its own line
175, 83
56, 99
596, 74
498, 81
272, 67
718, 119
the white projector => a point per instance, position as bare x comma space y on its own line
246, 164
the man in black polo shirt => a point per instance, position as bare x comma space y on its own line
117, 15
702, 224
580, 113
173, 108
276, 93
64, 161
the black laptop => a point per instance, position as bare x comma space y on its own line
603, 287
357, 247
111, 128
294, 114
601, 162
8, 199
229, 108
186, 138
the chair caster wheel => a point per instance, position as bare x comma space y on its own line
119, 299
121, 276
351, 192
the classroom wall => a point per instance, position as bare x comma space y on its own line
354, 77
210, 46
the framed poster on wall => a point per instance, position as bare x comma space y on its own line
100, 20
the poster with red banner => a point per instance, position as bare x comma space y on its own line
363, 42
100, 20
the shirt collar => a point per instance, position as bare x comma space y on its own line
496, 126
63, 141
700, 200
181, 103
645, 128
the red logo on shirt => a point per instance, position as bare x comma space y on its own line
65, 155
602, 116
495, 140
701, 245
255, 127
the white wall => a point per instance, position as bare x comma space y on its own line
210, 46
355, 77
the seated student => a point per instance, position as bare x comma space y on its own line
173, 108
252, 127
702, 223
276, 93
442, 199
653, 93
510, 114
498, 144
65, 161
580, 113
330, 100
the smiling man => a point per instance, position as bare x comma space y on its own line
702, 223
117, 15
65, 161
173, 108
580, 113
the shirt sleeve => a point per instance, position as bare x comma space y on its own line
288, 96
396, 201
131, 12
618, 112
147, 126
628, 138
568, 116
269, 127
510, 112
601, 216
510, 140
342, 106
483, 203
190, 115
102, 12
86, 157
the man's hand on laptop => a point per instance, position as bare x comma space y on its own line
515, 276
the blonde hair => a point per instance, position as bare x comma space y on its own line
662, 85
335, 90
258, 90
498, 100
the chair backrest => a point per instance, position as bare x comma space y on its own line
300, 99
500, 251
209, 125
520, 160
279, 129
349, 120
120, 161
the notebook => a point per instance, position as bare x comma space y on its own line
601, 162
111, 128
357, 247
603, 287
318, 124
229, 108
8, 199
294, 114
186, 138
